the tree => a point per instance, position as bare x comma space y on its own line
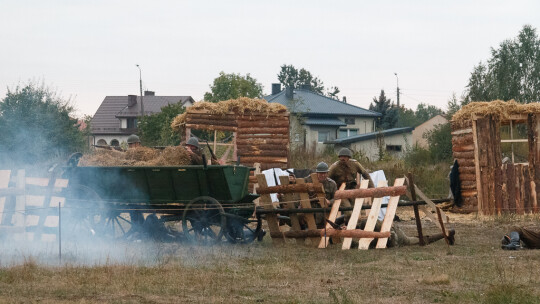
384, 106
453, 106
291, 77
155, 129
232, 86
512, 72
440, 142
37, 126
425, 112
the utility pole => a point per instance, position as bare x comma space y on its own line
140, 86
397, 89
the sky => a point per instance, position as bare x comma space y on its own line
86, 50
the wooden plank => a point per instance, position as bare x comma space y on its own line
504, 188
527, 205
363, 244
210, 127
308, 217
290, 199
429, 214
353, 221
429, 202
389, 216
331, 217
418, 221
266, 202
462, 131
511, 187
476, 164
18, 219
4, 183
519, 192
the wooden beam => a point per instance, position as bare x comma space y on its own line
330, 232
363, 243
371, 192
266, 202
290, 199
353, 221
292, 188
389, 216
331, 217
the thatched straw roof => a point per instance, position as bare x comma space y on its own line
238, 106
498, 109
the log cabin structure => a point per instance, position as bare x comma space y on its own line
260, 129
498, 153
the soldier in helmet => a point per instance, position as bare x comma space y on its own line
330, 189
344, 171
194, 151
133, 141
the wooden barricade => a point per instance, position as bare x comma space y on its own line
30, 209
295, 194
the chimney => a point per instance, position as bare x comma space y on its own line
289, 92
149, 93
344, 99
276, 88
132, 100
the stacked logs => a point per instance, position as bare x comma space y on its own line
463, 152
259, 137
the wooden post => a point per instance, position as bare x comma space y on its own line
389, 216
372, 218
310, 218
290, 199
331, 217
215, 140
477, 167
353, 221
266, 202
416, 212
19, 218
4, 183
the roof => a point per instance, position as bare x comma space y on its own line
372, 135
431, 119
306, 101
324, 122
105, 120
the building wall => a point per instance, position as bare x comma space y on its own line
363, 125
110, 138
418, 133
371, 149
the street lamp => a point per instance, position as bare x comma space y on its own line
140, 85
397, 79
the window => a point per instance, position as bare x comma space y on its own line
115, 143
393, 148
323, 136
131, 123
349, 120
514, 141
101, 142
347, 132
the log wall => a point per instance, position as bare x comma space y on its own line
487, 185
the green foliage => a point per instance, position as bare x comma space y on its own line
425, 112
291, 77
155, 129
453, 106
407, 118
232, 86
440, 142
37, 126
512, 72
385, 106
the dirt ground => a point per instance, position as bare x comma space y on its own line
474, 270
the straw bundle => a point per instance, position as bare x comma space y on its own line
138, 157
498, 109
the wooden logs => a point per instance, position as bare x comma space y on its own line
294, 188
467, 177
464, 155
263, 159
371, 192
468, 193
355, 233
259, 147
263, 130
463, 148
259, 141
466, 162
210, 127
211, 122
467, 170
462, 140
263, 124
275, 153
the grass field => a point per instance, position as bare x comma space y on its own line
475, 270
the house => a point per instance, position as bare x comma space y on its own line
418, 133
116, 117
394, 142
317, 119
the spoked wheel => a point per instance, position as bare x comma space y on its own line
88, 215
241, 230
204, 221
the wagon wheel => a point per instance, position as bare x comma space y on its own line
89, 215
204, 220
241, 230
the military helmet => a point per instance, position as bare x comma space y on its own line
345, 152
322, 167
193, 141
133, 139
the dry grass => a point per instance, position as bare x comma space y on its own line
140, 157
498, 109
475, 270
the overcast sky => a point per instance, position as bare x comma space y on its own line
88, 49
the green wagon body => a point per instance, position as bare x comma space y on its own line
158, 185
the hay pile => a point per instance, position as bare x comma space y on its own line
238, 106
498, 109
138, 157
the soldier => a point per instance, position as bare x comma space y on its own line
194, 151
133, 141
344, 170
330, 189
528, 235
